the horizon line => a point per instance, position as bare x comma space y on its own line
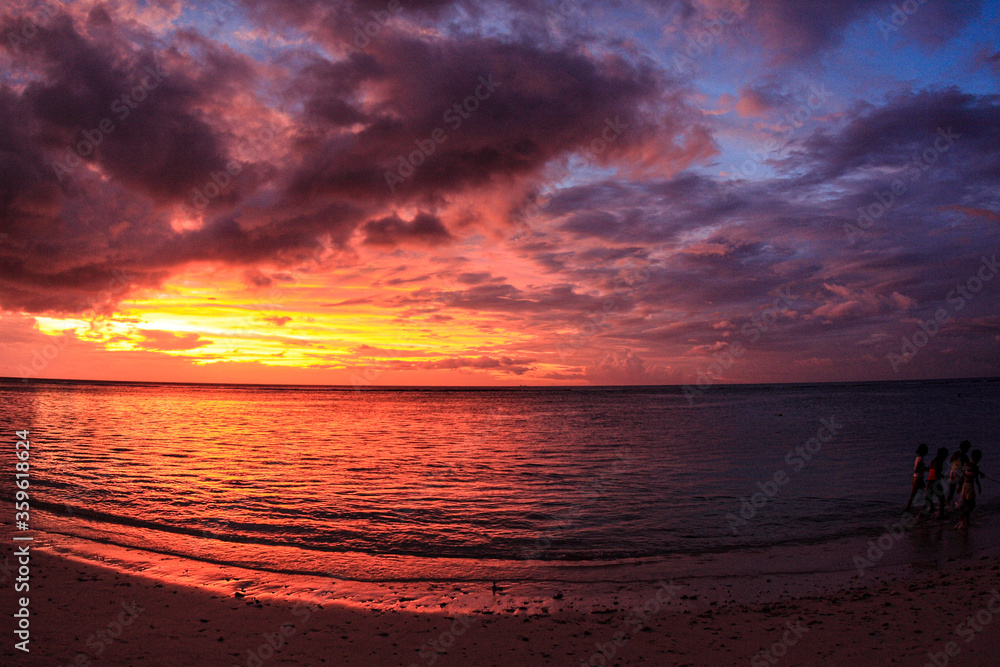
374, 387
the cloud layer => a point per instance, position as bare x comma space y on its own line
520, 191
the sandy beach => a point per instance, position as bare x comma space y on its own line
90, 614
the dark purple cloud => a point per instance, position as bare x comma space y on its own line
536, 105
270, 194
425, 229
794, 30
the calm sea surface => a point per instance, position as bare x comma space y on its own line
414, 483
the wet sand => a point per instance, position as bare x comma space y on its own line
86, 613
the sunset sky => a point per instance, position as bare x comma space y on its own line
479, 193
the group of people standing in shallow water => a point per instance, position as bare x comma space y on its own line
963, 481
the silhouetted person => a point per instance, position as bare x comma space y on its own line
918, 474
959, 460
935, 484
969, 486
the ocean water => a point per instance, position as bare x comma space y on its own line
435, 484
